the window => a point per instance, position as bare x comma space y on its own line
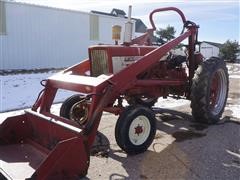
2, 18
94, 27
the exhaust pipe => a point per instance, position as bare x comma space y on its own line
128, 28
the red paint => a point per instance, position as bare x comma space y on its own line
138, 130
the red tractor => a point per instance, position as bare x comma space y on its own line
58, 147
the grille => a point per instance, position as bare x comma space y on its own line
99, 62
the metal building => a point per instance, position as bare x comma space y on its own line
209, 49
35, 37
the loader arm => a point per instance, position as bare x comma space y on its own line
130, 73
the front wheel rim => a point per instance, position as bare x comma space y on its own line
139, 130
218, 91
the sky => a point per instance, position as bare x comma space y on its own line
218, 20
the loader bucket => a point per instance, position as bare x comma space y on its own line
33, 146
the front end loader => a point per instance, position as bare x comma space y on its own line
41, 145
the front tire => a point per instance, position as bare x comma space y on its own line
209, 91
135, 129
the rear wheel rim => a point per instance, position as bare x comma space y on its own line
79, 112
139, 130
218, 91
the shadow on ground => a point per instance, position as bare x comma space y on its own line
182, 149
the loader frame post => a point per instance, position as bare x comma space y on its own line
192, 38
47, 98
191, 50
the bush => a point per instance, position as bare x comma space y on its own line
229, 50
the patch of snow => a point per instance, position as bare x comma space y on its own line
233, 69
171, 102
56, 108
234, 76
235, 110
21, 90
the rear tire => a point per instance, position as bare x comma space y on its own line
135, 129
209, 91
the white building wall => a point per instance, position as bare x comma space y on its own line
43, 37
209, 50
